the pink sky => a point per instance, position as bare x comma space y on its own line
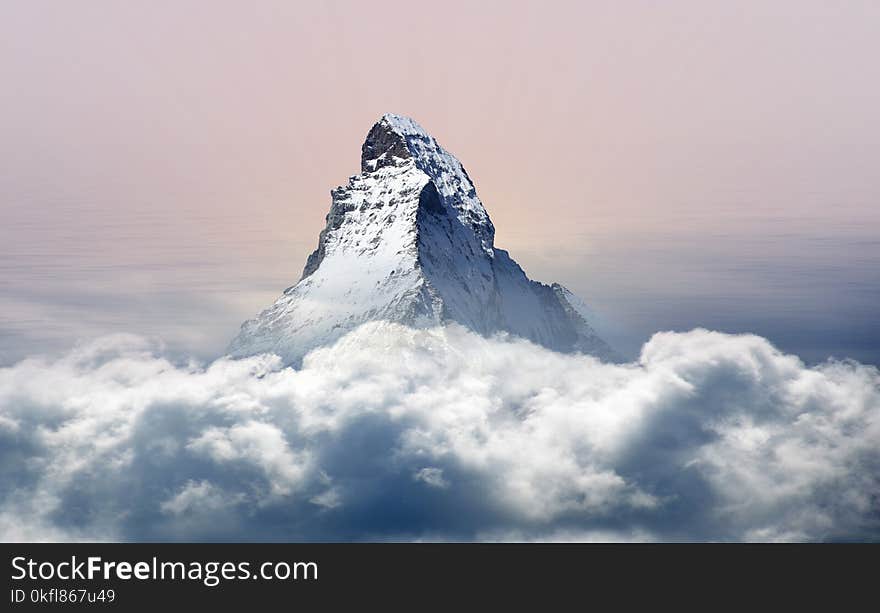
597, 133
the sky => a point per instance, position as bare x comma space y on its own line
166, 166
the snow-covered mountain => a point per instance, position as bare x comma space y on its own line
409, 241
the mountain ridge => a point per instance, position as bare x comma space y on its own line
408, 240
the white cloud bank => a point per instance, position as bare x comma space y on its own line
394, 433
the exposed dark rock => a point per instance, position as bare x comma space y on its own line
381, 146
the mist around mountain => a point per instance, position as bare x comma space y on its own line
400, 433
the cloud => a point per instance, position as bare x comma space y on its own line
395, 433
431, 476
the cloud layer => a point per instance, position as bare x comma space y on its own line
394, 433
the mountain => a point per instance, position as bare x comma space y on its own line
409, 241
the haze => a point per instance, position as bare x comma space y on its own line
166, 167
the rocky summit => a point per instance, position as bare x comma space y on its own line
408, 241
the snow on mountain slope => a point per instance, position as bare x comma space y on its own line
409, 241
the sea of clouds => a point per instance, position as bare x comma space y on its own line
395, 433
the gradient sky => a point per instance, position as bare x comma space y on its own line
166, 166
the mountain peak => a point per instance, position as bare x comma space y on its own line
388, 141
398, 141
385, 144
409, 241
403, 125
